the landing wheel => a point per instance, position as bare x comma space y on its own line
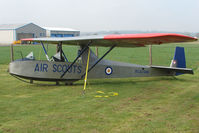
68, 83
174, 77
57, 83
31, 81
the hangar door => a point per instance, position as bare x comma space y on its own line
24, 35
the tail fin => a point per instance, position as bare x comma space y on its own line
178, 64
179, 59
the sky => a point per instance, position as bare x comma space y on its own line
104, 15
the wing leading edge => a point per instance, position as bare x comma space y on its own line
122, 40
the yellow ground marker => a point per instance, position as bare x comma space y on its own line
106, 95
100, 92
98, 96
113, 93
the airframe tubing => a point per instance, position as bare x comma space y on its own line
85, 48
62, 52
45, 51
98, 60
64, 55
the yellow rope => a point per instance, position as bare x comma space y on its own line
85, 79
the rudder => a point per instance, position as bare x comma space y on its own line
179, 60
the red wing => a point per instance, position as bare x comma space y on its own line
123, 40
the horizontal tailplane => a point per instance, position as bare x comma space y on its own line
174, 70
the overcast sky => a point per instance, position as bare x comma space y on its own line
98, 15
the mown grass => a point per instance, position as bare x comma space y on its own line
156, 104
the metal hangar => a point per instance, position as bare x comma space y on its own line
61, 32
11, 33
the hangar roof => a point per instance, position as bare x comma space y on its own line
11, 26
59, 29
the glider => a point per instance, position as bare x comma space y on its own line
59, 69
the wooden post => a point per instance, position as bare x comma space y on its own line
150, 55
47, 48
57, 48
11, 53
96, 48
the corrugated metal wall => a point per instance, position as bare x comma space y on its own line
30, 30
7, 36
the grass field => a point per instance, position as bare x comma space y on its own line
156, 104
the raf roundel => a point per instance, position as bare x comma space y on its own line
108, 70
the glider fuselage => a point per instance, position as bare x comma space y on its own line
52, 71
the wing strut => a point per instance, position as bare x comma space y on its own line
64, 55
98, 60
45, 51
85, 48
